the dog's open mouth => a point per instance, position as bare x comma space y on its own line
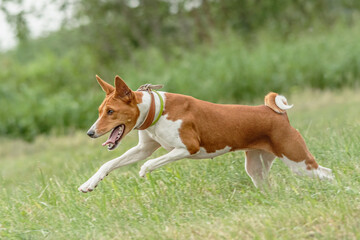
115, 137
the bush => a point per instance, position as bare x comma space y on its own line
59, 92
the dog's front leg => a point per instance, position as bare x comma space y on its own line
138, 153
173, 155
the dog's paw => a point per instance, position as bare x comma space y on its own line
144, 169
142, 172
90, 184
325, 173
87, 187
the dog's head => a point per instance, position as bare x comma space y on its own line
118, 112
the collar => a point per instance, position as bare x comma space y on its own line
150, 116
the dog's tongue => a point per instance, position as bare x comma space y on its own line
112, 137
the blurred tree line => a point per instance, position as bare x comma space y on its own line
113, 28
216, 50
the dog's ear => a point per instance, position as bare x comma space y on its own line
105, 86
122, 90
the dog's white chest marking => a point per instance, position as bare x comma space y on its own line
166, 132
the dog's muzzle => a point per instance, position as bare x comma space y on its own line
92, 130
91, 133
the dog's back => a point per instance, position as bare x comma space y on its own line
215, 126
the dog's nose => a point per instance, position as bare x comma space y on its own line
91, 133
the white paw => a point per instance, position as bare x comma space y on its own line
144, 169
91, 184
325, 173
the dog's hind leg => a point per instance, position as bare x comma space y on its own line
258, 164
302, 169
294, 153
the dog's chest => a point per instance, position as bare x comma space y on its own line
163, 142
166, 132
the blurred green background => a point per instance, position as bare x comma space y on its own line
222, 51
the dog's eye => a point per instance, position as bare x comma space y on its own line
109, 112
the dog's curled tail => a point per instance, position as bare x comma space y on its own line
277, 102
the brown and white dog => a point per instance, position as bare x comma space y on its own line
191, 128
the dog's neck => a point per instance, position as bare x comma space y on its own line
144, 107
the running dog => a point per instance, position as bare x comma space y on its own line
190, 128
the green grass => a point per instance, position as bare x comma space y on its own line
188, 199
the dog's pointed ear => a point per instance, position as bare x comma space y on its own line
105, 86
122, 90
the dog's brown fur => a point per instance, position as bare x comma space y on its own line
215, 126
123, 101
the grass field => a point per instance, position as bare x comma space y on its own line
189, 199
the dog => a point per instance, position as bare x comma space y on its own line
190, 128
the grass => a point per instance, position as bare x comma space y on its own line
188, 199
